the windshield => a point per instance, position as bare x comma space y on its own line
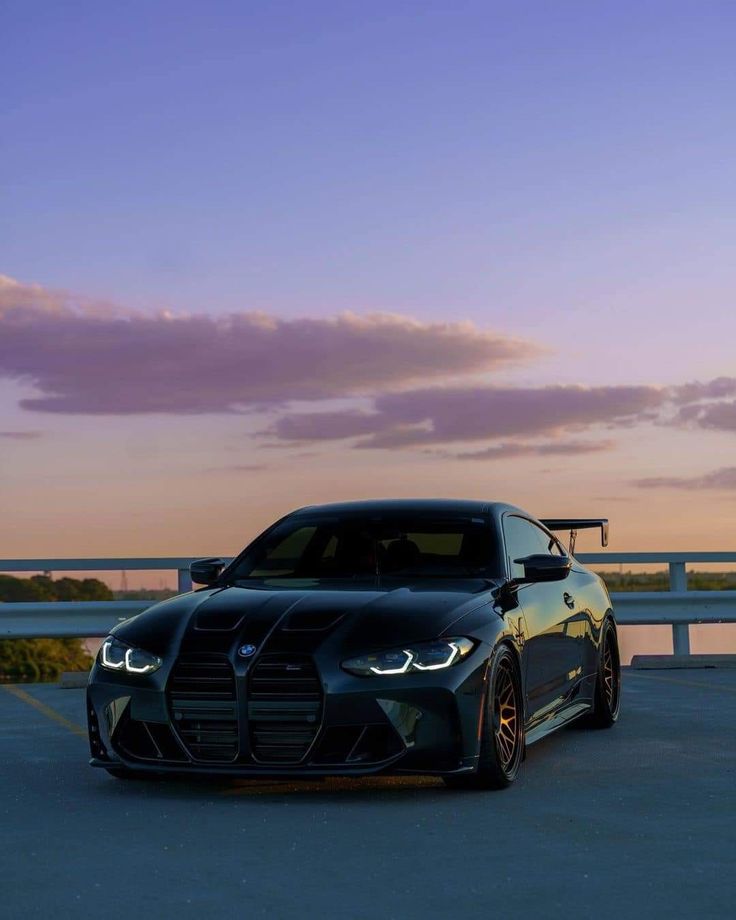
364, 546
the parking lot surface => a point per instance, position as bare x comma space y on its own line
633, 822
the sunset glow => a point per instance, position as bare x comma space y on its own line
267, 261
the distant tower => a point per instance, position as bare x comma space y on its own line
124, 581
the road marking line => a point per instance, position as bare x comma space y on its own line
43, 708
682, 683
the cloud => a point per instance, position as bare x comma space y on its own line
481, 413
723, 478
706, 405
240, 468
554, 448
14, 295
404, 378
21, 435
94, 358
712, 389
324, 426
445, 415
614, 498
718, 416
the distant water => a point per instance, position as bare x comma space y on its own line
705, 639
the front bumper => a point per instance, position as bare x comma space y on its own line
416, 723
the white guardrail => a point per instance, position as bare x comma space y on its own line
677, 607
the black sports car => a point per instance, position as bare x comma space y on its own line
432, 637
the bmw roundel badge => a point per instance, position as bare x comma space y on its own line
245, 651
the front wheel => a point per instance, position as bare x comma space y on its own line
608, 682
502, 729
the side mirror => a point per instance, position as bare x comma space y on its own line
206, 571
541, 567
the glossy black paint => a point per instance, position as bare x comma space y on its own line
543, 568
206, 571
428, 722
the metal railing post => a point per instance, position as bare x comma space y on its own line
680, 631
184, 580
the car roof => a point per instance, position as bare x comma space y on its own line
409, 505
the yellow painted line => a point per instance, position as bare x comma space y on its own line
43, 708
682, 683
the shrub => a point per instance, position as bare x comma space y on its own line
45, 659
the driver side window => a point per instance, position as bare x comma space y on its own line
524, 538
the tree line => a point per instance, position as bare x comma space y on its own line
660, 581
45, 659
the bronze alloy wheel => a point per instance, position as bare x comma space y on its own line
505, 715
607, 698
610, 677
502, 729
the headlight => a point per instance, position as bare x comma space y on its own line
117, 656
422, 656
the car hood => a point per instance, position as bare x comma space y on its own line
356, 618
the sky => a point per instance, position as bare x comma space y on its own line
261, 255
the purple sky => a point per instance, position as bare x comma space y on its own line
260, 255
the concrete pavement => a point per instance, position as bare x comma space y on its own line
637, 821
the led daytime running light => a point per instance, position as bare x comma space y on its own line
443, 664
113, 646
430, 655
114, 666
402, 670
130, 667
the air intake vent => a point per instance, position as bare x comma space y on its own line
218, 620
284, 708
203, 707
311, 621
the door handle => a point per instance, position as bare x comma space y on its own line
569, 600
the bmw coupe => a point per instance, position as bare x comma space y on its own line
404, 637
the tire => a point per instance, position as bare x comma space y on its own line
607, 699
502, 729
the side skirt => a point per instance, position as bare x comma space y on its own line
560, 718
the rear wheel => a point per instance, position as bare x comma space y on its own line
502, 730
608, 682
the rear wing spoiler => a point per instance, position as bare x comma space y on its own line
576, 524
